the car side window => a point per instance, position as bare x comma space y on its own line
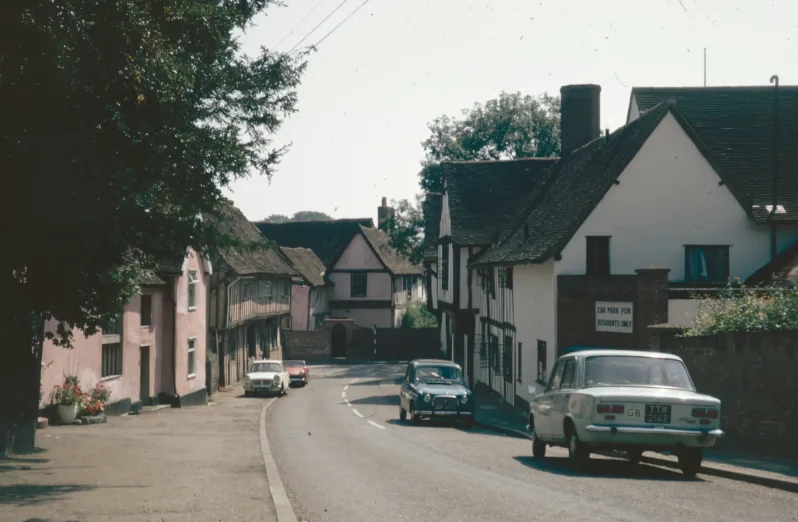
568, 374
407, 374
556, 377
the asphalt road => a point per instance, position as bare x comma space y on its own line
356, 461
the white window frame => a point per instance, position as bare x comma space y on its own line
192, 284
192, 348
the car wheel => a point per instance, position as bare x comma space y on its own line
690, 461
247, 394
577, 451
283, 390
415, 418
402, 414
634, 455
538, 447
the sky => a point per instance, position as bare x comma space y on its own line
375, 83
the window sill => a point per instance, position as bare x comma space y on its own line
538, 381
146, 327
192, 308
111, 378
191, 376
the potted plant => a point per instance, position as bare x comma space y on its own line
94, 404
68, 399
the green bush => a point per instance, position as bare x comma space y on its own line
417, 316
741, 309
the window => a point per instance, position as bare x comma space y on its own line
112, 327
507, 358
359, 285
706, 264
287, 323
192, 356
111, 360
319, 320
519, 365
409, 282
192, 289
598, 255
556, 377
542, 369
568, 374
445, 267
494, 351
146, 310
506, 278
286, 289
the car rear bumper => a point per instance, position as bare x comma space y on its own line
445, 413
262, 389
597, 435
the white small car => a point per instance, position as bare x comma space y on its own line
266, 378
627, 401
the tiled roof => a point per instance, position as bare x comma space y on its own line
396, 263
432, 219
736, 124
783, 269
260, 256
484, 196
309, 265
327, 239
150, 278
557, 207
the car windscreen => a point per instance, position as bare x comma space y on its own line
294, 364
610, 370
438, 373
265, 367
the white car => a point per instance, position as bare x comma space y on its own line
624, 400
266, 378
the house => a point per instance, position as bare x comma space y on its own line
624, 225
310, 290
431, 210
249, 298
478, 200
154, 353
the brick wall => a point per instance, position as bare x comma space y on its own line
754, 375
308, 346
397, 344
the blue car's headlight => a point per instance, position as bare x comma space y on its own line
427, 397
464, 399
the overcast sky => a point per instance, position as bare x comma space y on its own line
373, 86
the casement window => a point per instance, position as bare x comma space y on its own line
359, 285
445, 267
409, 282
506, 278
519, 365
706, 264
491, 282
111, 360
192, 357
146, 310
598, 256
542, 366
494, 351
192, 289
507, 358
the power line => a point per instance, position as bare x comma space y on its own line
314, 29
340, 24
289, 33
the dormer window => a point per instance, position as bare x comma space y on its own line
706, 264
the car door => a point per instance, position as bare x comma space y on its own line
543, 404
404, 390
561, 396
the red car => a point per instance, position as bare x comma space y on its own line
298, 372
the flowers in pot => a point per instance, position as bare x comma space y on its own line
68, 398
95, 400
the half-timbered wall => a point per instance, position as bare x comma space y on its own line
256, 297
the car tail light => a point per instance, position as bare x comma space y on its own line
709, 413
610, 408
699, 412
712, 413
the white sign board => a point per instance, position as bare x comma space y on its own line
615, 316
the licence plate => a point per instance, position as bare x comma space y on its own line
658, 413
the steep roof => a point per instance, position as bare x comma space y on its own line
393, 261
736, 124
327, 239
308, 264
782, 269
260, 257
431, 209
484, 196
557, 207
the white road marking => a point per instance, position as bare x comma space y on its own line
282, 506
376, 425
346, 387
353, 381
348, 403
357, 413
343, 394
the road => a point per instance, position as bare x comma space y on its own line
356, 461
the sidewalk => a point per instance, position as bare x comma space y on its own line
493, 413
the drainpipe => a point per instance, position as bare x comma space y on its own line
174, 336
773, 239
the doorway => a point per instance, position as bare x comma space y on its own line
339, 341
144, 376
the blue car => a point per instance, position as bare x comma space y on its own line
435, 388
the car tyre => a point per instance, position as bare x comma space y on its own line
402, 414
415, 418
247, 393
634, 455
690, 461
577, 451
283, 390
538, 447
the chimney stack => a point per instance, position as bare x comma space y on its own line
580, 111
384, 213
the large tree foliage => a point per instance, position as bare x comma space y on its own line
405, 229
122, 120
508, 127
302, 215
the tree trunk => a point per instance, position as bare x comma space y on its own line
20, 382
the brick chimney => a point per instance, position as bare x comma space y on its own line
384, 213
580, 111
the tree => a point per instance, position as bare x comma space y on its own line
310, 215
122, 122
417, 316
508, 127
277, 218
405, 229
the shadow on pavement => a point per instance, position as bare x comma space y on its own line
373, 381
379, 400
605, 468
34, 494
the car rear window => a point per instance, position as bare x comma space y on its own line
294, 364
621, 370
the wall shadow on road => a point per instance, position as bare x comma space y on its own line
605, 468
378, 400
32, 494
374, 381
444, 424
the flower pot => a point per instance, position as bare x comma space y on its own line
67, 413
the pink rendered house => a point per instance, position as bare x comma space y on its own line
310, 290
155, 354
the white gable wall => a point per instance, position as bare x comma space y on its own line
668, 197
634, 110
358, 255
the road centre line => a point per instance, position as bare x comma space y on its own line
346, 387
343, 394
376, 425
357, 413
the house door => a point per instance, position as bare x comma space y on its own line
339, 341
144, 376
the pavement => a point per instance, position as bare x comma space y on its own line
343, 455
201, 464
494, 413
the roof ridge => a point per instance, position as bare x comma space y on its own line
715, 88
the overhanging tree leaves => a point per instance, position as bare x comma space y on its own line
122, 120
405, 229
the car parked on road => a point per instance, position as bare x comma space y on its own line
298, 372
266, 377
627, 401
435, 388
